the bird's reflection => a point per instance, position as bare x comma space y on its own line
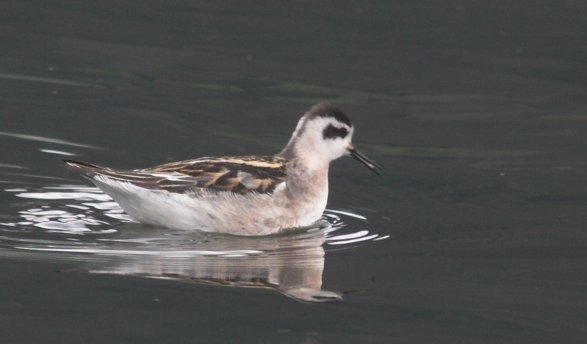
83, 225
290, 264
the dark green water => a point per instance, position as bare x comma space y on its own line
475, 234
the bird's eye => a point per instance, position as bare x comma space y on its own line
332, 132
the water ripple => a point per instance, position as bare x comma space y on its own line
81, 224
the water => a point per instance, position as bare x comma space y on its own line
476, 233
83, 224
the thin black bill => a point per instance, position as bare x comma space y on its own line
366, 161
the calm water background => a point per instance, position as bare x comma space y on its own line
476, 111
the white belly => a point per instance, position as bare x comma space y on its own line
223, 212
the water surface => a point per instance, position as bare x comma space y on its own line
476, 111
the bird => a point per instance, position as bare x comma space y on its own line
238, 195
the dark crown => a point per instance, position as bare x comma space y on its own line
329, 110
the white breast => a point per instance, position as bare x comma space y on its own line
223, 212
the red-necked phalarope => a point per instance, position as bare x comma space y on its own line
249, 195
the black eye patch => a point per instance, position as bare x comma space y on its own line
332, 132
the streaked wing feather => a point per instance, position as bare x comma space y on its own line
234, 174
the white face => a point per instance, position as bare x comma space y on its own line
324, 137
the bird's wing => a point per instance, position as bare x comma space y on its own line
234, 174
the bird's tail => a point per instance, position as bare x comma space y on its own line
83, 168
